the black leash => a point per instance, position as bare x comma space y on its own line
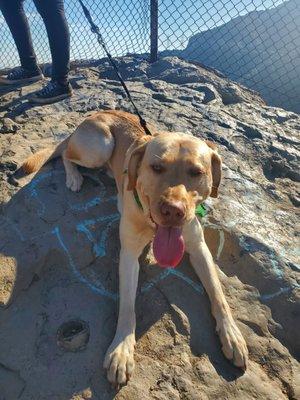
95, 29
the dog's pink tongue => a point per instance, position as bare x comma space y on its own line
168, 246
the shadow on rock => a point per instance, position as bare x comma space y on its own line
60, 258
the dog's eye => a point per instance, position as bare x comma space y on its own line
157, 168
194, 172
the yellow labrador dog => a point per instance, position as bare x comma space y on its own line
170, 173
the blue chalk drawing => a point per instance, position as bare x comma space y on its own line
33, 192
275, 264
99, 246
37, 180
196, 286
42, 209
94, 201
97, 289
208, 224
168, 272
84, 207
16, 229
32, 188
101, 290
149, 285
273, 257
270, 296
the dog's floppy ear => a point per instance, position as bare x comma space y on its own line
216, 172
135, 158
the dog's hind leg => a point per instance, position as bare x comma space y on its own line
74, 178
90, 146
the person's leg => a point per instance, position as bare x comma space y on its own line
16, 20
53, 14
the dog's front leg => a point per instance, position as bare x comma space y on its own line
119, 360
233, 343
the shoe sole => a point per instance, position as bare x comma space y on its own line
8, 82
55, 99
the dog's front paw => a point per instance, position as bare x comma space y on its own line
74, 181
233, 344
119, 360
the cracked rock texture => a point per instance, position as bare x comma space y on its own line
59, 250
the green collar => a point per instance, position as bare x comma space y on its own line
200, 209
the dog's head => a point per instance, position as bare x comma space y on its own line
172, 173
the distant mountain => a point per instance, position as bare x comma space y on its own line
260, 50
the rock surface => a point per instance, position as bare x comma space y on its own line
59, 250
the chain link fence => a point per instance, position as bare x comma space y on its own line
254, 42
124, 24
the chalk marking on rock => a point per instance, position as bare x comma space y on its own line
275, 265
168, 272
92, 203
100, 219
242, 242
99, 290
85, 206
37, 180
150, 284
221, 237
32, 188
16, 229
196, 286
98, 247
271, 254
114, 296
284, 290
285, 254
99, 250
221, 244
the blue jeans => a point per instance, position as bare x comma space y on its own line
53, 14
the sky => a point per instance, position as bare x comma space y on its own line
125, 25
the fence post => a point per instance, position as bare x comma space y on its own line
153, 30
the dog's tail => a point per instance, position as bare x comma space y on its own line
37, 160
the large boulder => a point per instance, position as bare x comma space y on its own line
59, 250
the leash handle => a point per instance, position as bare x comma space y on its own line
95, 29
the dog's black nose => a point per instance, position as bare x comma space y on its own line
172, 213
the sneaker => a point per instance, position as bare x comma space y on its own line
20, 75
51, 93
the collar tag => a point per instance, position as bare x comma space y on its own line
201, 210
